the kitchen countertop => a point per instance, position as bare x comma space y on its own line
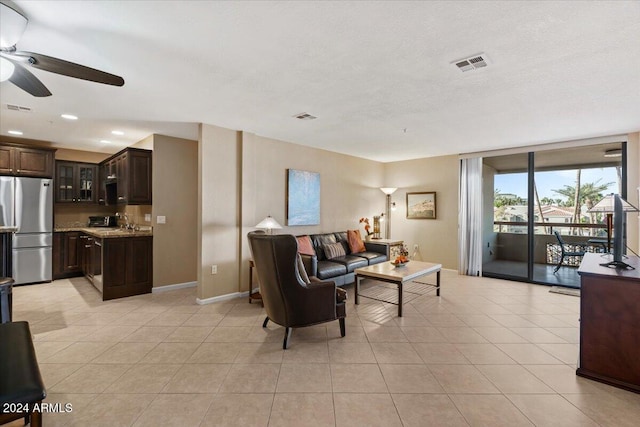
107, 232
7, 229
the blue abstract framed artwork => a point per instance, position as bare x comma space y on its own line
303, 197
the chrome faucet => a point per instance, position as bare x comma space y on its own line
127, 225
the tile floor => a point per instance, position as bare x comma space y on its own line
486, 353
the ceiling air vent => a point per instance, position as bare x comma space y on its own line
18, 108
472, 63
304, 116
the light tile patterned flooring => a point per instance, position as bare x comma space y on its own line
486, 353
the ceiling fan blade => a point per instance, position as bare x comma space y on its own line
71, 69
26, 81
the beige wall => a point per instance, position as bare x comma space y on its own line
219, 169
175, 194
438, 238
75, 214
80, 156
348, 189
147, 143
242, 179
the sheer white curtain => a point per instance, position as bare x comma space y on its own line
470, 217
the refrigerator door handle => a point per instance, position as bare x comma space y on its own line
7, 198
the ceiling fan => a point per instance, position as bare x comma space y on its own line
13, 63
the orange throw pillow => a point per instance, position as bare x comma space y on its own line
355, 241
305, 247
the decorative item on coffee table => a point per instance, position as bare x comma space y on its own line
402, 258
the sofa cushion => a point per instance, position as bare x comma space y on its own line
319, 240
305, 246
341, 237
330, 269
373, 257
356, 244
334, 250
351, 262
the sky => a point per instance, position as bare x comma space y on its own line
516, 183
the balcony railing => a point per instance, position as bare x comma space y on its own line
579, 229
510, 243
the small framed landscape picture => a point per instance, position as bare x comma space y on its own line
421, 205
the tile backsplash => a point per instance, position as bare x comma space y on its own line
74, 214
136, 213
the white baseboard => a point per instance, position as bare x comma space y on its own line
166, 288
222, 298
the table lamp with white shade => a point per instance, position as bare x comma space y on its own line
268, 224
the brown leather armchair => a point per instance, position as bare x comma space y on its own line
288, 300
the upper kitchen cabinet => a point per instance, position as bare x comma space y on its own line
76, 182
18, 160
127, 177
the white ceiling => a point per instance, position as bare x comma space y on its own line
367, 69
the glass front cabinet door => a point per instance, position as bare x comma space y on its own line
76, 182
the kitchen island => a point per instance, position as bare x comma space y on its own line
118, 262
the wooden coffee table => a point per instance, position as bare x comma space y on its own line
387, 272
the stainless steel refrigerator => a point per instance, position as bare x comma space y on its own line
27, 203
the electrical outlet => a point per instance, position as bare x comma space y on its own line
214, 269
147, 217
161, 219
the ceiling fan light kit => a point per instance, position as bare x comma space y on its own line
13, 62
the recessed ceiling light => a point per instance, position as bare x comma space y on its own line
117, 132
15, 132
104, 141
69, 116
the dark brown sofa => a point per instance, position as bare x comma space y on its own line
340, 270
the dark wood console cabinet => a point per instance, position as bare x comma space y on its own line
18, 160
610, 323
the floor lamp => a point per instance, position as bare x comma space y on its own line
387, 224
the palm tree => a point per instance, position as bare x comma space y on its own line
589, 194
548, 201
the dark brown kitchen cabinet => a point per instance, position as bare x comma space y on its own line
127, 266
76, 182
68, 248
87, 256
18, 160
127, 178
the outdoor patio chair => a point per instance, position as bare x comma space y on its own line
564, 251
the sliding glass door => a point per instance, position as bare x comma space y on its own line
541, 204
507, 252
